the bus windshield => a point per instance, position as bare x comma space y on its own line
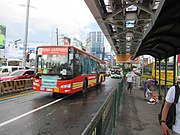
56, 62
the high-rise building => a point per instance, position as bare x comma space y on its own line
95, 44
68, 40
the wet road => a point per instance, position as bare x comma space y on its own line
41, 114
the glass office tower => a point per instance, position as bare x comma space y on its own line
95, 44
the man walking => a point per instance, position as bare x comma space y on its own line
169, 100
129, 80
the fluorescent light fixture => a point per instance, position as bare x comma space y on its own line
131, 8
130, 24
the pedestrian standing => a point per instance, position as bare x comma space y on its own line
129, 81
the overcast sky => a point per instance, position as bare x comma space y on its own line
72, 17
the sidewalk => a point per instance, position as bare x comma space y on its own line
136, 116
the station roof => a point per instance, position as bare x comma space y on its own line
162, 38
139, 27
123, 22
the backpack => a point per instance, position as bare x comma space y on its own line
171, 116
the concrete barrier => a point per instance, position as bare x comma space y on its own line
28, 83
6, 87
18, 85
15, 86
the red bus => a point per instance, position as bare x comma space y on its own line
66, 70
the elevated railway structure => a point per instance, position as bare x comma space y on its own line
140, 27
123, 22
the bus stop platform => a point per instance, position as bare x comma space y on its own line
136, 117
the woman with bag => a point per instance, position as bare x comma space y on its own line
170, 99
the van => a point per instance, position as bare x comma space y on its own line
6, 70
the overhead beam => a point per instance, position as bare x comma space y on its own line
144, 8
116, 12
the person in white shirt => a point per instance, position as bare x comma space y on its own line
129, 80
169, 100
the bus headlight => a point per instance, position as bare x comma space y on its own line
66, 86
36, 84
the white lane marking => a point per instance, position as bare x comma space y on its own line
37, 109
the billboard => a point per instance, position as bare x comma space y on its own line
2, 36
62, 51
126, 58
178, 58
67, 41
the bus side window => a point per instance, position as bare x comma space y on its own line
84, 64
98, 67
102, 68
93, 66
77, 63
80, 64
90, 66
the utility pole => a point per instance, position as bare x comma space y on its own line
26, 34
103, 53
57, 35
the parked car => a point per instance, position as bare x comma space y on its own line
6, 70
18, 74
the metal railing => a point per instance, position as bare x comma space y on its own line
104, 121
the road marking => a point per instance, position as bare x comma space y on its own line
19, 95
35, 110
10, 99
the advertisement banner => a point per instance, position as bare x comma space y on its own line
2, 36
178, 58
62, 51
126, 58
